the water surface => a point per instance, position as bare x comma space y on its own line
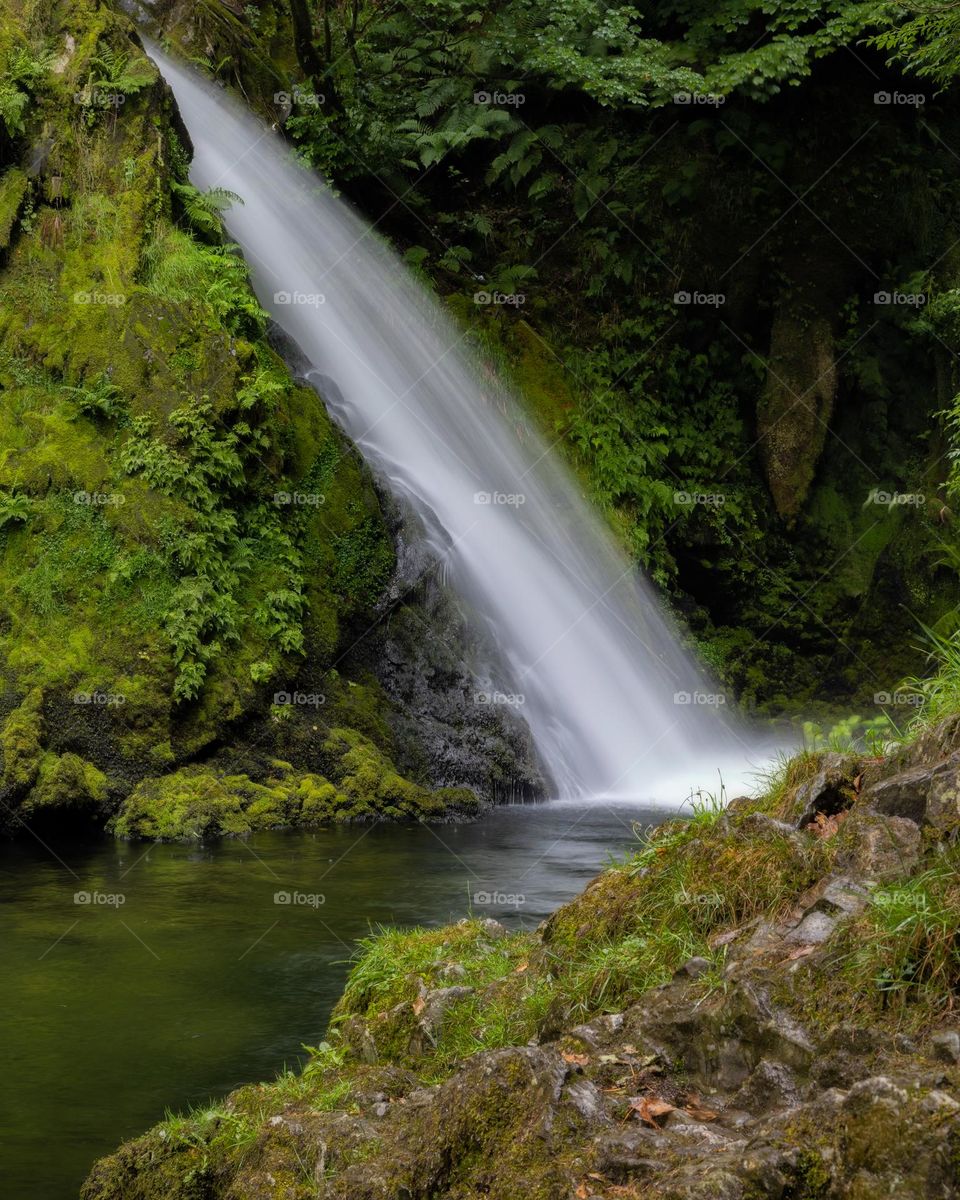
200, 981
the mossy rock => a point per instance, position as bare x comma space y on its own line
21, 742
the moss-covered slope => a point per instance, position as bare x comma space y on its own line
760, 1002
187, 543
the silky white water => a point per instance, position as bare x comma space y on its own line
615, 706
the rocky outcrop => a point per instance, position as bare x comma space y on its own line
729, 1014
794, 411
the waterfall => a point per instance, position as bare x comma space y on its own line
614, 704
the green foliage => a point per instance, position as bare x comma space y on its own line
926, 40
22, 74
14, 508
100, 398
905, 950
113, 76
204, 210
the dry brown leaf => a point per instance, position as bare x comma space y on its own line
693, 1108
522, 967
582, 1192
649, 1108
579, 1060
723, 939
418, 1006
800, 952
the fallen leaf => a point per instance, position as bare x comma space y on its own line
823, 826
723, 939
582, 1192
649, 1108
579, 1060
418, 1006
519, 970
800, 952
693, 1108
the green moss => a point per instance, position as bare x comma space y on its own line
21, 742
13, 188
148, 436
202, 802
67, 782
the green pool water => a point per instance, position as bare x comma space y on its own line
139, 978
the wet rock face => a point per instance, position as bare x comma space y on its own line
928, 794
456, 716
794, 411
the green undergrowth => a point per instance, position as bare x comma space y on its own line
183, 530
898, 963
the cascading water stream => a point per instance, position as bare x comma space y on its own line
600, 671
